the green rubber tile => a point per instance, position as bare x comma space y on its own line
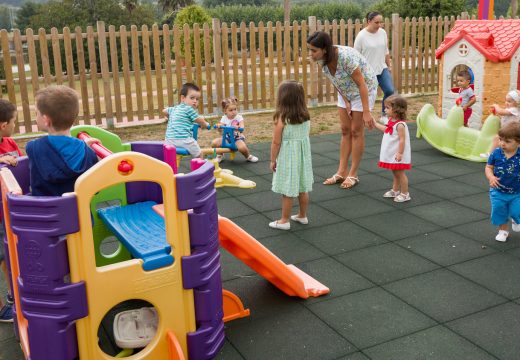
444, 295
498, 272
385, 263
415, 176
436, 343
428, 156
373, 149
320, 160
257, 225
447, 213
259, 168
296, 334
478, 202
317, 216
477, 179
290, 248
263, 146
371, 317
335, 137
515, 252
445, 247
447, 169
6, 331
447, 188
355, 356
495, 330
10, 349
232, 267
222, 194
339, 238
484, 232
231, 208
334, 275
387, 225
262, 201
325, 147
418, 144
356, 206
228, 352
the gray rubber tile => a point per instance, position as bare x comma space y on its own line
231, 208
257, 225
436, 343
444, 295
447, 169
415, 176
371, 317
296, 334
339, 238
389, 225
10, 348
477, 179
356, 206
385, 263
447, 187
484, 232
500, 337
355, 356
428, 156
499, 272
291, 249
418, 198
262, 201
317, 216
445, 247
232, 267
228, 352
478, 202
262, 184
447, 214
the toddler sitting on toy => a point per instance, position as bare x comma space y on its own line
234, 119
181, 118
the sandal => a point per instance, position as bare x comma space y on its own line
349, 182
335, 179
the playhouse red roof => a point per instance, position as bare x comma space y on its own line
497, 40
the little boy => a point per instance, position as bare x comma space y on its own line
466, 93
9, 153
57, 160
181, 118
503, 174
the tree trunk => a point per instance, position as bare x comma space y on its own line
514, 8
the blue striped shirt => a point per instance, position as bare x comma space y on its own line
180, 121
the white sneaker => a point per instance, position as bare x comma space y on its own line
219, 158
277, 225
402, 197
515, 226
302, 220
252, 158
502, 235
484, 155
391, 193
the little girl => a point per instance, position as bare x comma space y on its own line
510, 113
233, 118
291, 153
395, 147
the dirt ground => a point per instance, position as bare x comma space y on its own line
324, 120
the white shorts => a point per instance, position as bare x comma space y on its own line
355, 102
189, 144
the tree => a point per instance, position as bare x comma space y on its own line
417, 8
5, 17
190, 15
214, 3
24, 14
175, 4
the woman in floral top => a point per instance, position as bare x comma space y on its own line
356, 84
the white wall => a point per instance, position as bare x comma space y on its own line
514, 70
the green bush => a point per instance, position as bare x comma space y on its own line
190, 15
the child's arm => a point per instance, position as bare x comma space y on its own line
379, 126
493, 180
470, 103
276, 143
202, 122
402, 136
165, 112
500, 111
9, 160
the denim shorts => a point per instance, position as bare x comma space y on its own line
503, 207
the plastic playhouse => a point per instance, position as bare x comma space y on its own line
168, 233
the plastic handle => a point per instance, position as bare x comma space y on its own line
493, 110
99, 149
227, 127
458, 101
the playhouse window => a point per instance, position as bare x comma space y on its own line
455, 71
463, 50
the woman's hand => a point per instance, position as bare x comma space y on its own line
368, 120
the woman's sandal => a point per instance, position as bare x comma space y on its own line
335, 179
349, 182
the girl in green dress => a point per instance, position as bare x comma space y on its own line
291, 153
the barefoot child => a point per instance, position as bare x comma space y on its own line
234, 119
395, 147
291, 153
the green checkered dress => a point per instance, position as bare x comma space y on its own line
294, 163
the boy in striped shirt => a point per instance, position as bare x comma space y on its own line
181, 118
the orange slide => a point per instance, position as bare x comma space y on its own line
287, 278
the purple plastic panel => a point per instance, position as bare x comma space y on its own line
201, 270
140, 191
50, 304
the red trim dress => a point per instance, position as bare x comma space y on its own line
390, 145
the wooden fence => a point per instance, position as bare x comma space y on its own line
128, 76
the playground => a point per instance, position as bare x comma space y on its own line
424, 279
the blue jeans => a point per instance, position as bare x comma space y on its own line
385, 82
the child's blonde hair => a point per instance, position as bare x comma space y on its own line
398, 105
229, 101
291, 106
515, 95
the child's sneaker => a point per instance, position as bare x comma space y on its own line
484, 155
515, 226
303, 220
402, 197
9, 298
252, 158
391, 193
219, 158
502, 235
6, 313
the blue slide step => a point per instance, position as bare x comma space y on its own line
141, 230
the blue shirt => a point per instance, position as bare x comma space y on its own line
180, 121
506, 170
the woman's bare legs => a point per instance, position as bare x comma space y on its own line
345, 147
357, 139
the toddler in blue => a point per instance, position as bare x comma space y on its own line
503, 174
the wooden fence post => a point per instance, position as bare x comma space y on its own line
396, 56
103, 57
217, 45
314, 78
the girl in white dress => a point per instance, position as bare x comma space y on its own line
396, 154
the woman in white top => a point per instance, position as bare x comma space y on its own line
372, 42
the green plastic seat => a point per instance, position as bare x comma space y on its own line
451, 137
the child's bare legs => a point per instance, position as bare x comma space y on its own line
216, 143
242, 148
401, 180
303, 200
286, 209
